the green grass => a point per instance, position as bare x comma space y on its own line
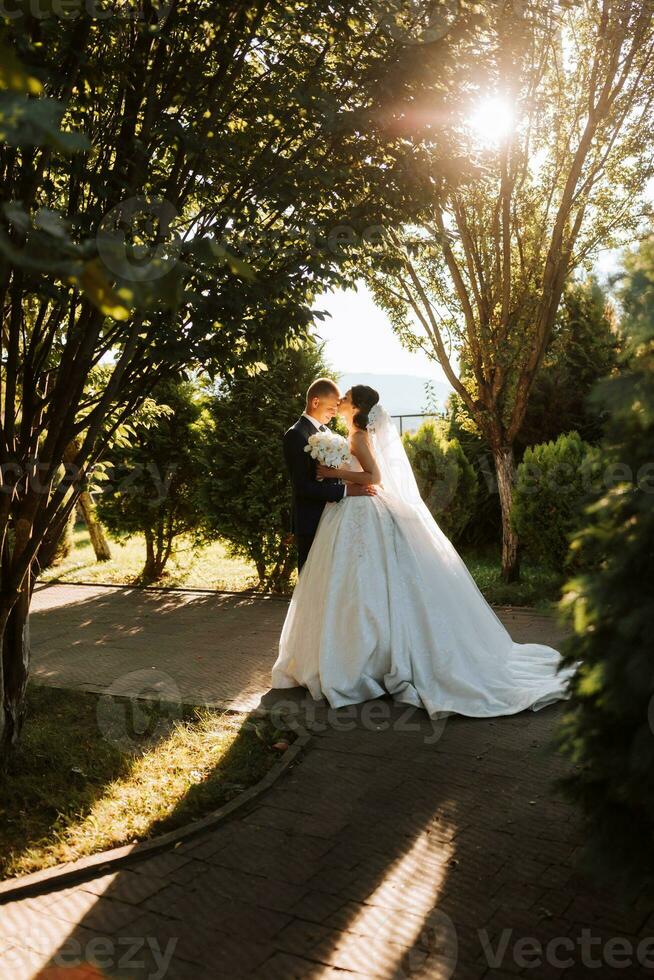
206, 568
212, 568
538, 587
71, 791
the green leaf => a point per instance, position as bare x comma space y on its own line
51, 221
102, 294
13, 74
209, 250
34, 122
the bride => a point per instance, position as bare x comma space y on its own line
385, 604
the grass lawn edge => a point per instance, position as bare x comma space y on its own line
104, 862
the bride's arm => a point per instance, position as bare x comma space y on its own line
370, 471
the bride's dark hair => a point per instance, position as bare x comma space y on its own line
363, 399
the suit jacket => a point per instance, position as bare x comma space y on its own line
309, 494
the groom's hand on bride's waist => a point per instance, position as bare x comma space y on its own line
357, 490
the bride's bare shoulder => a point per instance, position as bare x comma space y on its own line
359, 439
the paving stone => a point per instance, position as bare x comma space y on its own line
267, 893
317, 906
204, 845
231, 957
283, 966
587, 909
368, 920
283, 866
361, 858
20, 964
188, 874
161, 864
95, 912
300, 936
212, 952
130, 629
359, 955
165, 898
311, 825
43, 934
126, 886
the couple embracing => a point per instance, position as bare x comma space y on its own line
384, 604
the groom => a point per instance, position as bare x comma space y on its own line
309, 494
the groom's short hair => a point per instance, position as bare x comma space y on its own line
322, 387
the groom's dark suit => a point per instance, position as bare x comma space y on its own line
309, 494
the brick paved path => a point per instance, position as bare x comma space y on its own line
198, 647
394, 849
384, 853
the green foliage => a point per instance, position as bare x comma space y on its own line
583, 348
478, 276
552, 482
178, 188
538, 587
65, 544
485, 526
445, 478
76, 787
608, 732
27, 117
154, 469
261, 133
246, 492
174, 183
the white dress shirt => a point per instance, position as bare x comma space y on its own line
318, 424
312, 420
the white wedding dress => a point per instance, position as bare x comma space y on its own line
385, 604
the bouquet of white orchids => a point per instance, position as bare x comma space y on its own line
328, 448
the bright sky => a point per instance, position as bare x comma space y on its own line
359, 336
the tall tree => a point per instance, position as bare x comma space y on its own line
154, 474
218, 150
563, 155
245, 492
583, 348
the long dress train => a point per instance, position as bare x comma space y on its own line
385, 603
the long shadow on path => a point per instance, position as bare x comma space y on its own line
183, 646
395, 848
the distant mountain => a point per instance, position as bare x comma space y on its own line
400, 394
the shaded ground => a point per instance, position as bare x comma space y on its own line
394, 849
91, 773
200, 648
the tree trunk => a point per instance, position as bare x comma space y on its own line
15, 667
149, 569
280, 577
156, 555
66, 541
261, 572
95, 529
56, 547
506, 471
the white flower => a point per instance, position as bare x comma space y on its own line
328, 448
